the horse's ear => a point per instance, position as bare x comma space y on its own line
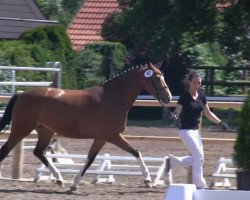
160, 65
151, 66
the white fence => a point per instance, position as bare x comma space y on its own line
104, 168
28, 144
105, 165
225, 170
55, 69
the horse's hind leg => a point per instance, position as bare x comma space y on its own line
121, 142
18, 132
44, 138
8, 146
95, 148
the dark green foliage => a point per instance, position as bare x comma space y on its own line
183, 33
242, 145
99, 61
51, 43
234, 34
153, 28
61, 10
16, 53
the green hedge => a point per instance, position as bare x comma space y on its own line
35, 47
52, 44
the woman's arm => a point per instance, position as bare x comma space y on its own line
177, 111
210, 115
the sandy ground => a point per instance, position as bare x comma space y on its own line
125, 187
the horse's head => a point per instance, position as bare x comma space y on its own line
156, 85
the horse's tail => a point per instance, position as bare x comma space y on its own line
5, 121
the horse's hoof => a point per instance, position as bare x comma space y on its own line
73, 188
148, 183
60, 183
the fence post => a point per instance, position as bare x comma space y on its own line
57, 75
17, 169
13, 79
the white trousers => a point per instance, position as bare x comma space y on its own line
192, 140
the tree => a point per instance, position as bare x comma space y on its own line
194, 32
99, 61
61, 10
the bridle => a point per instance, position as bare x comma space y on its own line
159, 95
158, 90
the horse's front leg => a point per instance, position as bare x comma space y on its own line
121, 142
95, 148
145, 172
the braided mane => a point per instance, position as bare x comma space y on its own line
123, 72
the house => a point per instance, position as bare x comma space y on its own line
87, 24
17, 16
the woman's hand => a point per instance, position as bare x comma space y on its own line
223, 125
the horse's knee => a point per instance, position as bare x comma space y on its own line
136, 153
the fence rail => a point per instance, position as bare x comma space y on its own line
210, 80
212, 104
55, 69
108, 165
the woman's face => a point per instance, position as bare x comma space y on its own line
195, 83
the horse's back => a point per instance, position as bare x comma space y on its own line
72, 113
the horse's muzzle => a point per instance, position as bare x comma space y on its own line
164, 96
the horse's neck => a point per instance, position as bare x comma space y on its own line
125, 89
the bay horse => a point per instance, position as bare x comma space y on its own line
98, 113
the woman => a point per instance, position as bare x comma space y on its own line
189, 108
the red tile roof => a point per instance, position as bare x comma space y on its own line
86, 25
221, 5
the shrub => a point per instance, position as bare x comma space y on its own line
242, 144
52, 44
16, 53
